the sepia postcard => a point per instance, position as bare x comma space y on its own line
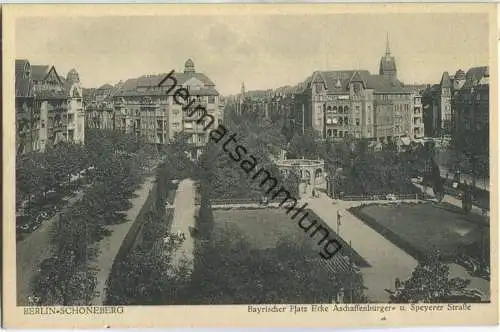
257, 165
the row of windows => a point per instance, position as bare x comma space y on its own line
335, 109
402, 107
336, 133
342, 121
391, 97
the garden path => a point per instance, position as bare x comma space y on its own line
184, 217
109, 246
386, 259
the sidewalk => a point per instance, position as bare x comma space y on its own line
386, 259
32, 250
109, 246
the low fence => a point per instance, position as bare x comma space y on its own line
386, 197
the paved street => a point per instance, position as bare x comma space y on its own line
184, 216
32, 250
449, 199
109, 246
481, 183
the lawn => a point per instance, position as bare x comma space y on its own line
264, 228
261, 256
422, 229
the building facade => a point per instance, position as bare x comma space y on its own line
355, 103
49, 108
99, 107
145, 106
470, 116
437, 101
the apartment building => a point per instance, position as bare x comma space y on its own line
145, 106
49, 108
359, 104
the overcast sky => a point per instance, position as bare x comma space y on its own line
263, 51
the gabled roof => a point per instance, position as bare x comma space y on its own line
476, 73
356, 77
446, 81
130, 87
338, 81
459, 75
474, 76
38, 73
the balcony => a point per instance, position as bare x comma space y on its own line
60, 126
57, 108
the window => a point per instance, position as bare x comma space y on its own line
220, 121
335, 109
43, 123
211, 99
357, 122
346, 120
329, 108
346, 109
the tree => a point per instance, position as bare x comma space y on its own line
288, 273
291, 183
430, 283
304, 146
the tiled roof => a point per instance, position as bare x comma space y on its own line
459, 75
20, 65
473, 76
23, 84
129, 88
38, 73
23, 87
105, 87
338, 81
446, 81
387, 62
88, 93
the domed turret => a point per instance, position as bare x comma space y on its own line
189, 66
73, 76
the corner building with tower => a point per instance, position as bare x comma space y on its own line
358, 104
145, 107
